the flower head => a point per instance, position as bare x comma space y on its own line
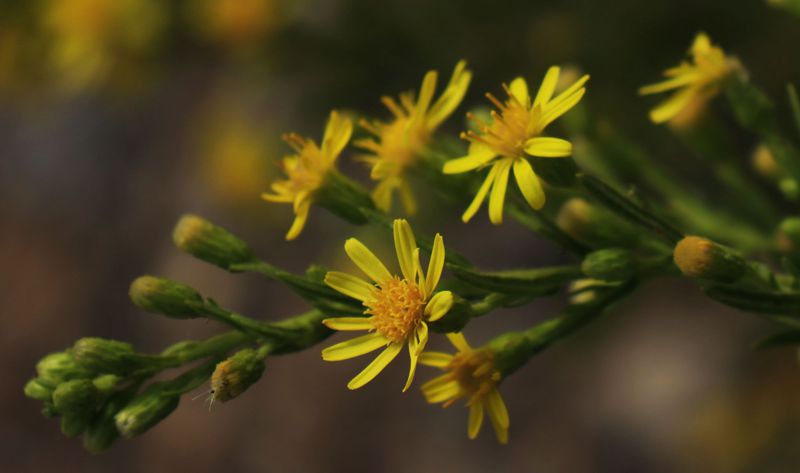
694, 83
470, 375
306, 171
397, 307
515, 131
398, 143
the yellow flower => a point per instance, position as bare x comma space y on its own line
470, 375
306, 170
398, 307
696, 83
515, 132
398, 143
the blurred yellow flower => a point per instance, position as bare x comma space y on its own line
471, 375
234, 22
398, 308
89, 37
306, 170
513, 134
694, 83
398, 143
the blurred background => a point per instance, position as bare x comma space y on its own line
116, 116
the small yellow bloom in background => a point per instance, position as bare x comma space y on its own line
694, 83
398, 308
471, 376
515, 132
306, 170
398, 143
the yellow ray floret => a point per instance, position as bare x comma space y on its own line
306, 170
397, 307
470, 375
693, 83
515, 131
398, 143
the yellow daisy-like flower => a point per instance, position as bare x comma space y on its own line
398, 308
398, 143
306, 170
470, 375
696, 82
515, 132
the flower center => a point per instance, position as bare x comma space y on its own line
474, 372
509, 130
306, 169
396, 307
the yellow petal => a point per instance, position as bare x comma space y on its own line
672, 106
435, 359
366, 261
405, 244
416, 344
475, 420
382, 195
451, 97
519, 89
560, 108
568, 92
458, 341
498, 196
426, 92
548, 86
548, 147
354, 347
478, 156
497, 408
674, 83
440, 389
528, 183
435, 265
348, 323
349, 285
301, 215
475, 205
500, 427
337, 134
407, 197
378, 364
279, 198
438, 306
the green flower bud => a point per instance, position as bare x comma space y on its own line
73, 424
233, 376
60, 366
106, 356
593, 225
789, 235
107, 383
698, 257
165, 297
76, 396
39, 389
145, 411
102, 432
611, 264
210, 243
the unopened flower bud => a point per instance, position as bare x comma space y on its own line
764, 163
788, 237
165, 297
39, 389
76, 396
610, 264
233, 376
145, 411
60, 366
73, 423
593, 225
210, 243
106, 356
698, 257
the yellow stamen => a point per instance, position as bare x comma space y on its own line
396, 307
